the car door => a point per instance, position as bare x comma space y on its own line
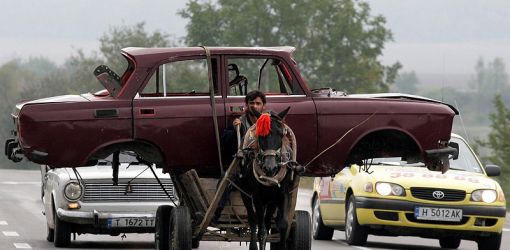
332, 197
272, 76
174, 112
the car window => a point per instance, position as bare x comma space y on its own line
467, 160
181, 78
269, 75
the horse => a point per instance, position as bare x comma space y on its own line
268, 170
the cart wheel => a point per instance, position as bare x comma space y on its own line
180, 229
300, 237
195, 243
62, 233
162, 234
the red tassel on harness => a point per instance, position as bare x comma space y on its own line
263, 125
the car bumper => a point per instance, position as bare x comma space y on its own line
95, 217
397, 216
101, 222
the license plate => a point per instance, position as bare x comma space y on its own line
438, 214
131, 222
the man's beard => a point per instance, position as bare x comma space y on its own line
251, 111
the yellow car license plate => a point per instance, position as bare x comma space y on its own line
438, 214
131, 222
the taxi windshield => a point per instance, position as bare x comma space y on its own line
467, 160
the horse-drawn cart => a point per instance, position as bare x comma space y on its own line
184, 226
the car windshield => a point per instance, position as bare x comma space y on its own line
467, 161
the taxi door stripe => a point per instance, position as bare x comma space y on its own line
332, 201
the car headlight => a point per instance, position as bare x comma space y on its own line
485, 195
72, 191
386, 189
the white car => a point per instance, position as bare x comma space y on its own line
84, 200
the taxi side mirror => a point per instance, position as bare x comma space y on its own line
493, 170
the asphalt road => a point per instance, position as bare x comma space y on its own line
23, 225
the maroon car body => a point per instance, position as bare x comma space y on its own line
175, 129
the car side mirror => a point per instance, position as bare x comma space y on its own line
455, 145
493, 170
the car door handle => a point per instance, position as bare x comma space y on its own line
147, 112
104, 113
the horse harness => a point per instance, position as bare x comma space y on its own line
286, 155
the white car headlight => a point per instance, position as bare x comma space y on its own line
72, 191
385, 189
485, 195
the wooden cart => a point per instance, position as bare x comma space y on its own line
184, 226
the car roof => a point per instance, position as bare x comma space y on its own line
147, 56
137, 51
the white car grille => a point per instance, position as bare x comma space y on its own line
139, 190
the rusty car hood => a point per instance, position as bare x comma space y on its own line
54, 99
400, 96
332, 93
62, 98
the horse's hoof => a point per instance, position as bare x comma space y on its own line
253, 246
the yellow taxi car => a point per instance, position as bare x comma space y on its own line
388, 196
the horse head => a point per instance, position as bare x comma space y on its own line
270, 131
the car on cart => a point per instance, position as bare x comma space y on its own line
396, 198
86, 201
168, 99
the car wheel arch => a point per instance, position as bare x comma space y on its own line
53, 212
369, 145
147, 150
348, 195
315, 195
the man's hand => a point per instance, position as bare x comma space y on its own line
236, 122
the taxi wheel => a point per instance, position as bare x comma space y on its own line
450, 243
62, 233
320, 231
161, 236
50, 234
491, 242
355, 234
180, 229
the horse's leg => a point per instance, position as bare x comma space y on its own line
252, 220
260, 209
282, 221
269, 216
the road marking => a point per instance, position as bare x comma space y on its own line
3, 223
10, 233
345, 243
506, 229
362, 248
22, 245
20, 182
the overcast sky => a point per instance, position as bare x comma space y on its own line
431, 36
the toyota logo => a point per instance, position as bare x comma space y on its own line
438, 195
